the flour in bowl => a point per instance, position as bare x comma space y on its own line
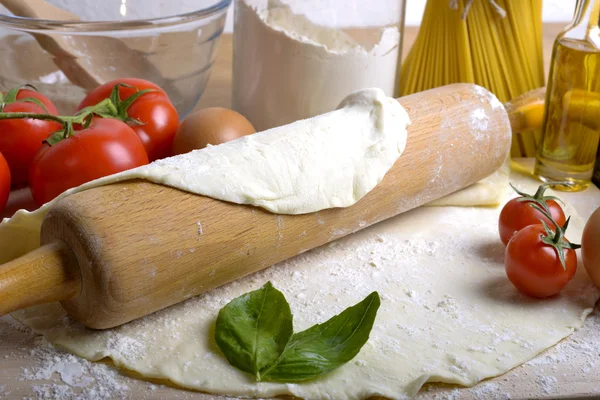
287, 67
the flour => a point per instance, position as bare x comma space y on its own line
128, 347
52, 391
77, 378
547, 383
479, 122
56, 374
488, 97
287, 68
489, 390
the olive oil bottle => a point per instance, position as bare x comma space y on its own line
571, 129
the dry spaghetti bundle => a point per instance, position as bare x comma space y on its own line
494, 43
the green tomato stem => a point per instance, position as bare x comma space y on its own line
104, 109
556, 238
22, 115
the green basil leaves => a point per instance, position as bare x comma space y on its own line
253, 329
254, 332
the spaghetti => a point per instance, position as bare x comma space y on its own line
494, 43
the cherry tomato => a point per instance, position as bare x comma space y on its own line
106, 147
4, 182
26, 93
534, 267
158, 117
518, 213
20, 139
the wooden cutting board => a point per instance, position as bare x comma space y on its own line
567, 371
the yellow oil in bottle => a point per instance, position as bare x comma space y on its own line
571, 129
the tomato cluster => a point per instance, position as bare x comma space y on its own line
120, 125
539, 260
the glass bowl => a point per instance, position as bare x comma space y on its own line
86, 43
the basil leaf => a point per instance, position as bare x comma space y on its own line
326, 346
253, 329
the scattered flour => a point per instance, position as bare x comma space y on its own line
479, 122
491, 98
66, 376
486, 390
73, 377
127, 347
547, 383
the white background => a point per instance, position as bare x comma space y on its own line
554, 11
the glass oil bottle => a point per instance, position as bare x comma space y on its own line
571, 129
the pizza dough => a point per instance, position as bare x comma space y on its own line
448, 313
331, 160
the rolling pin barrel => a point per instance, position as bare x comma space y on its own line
141, 247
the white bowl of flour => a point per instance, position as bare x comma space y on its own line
287, 67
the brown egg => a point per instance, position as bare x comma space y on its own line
213, 125
590, 247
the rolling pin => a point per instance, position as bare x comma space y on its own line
118, 252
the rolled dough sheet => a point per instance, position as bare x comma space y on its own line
331, 160
448, 312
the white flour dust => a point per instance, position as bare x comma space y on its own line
55, 374
479, 121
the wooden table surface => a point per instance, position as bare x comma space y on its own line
567, 371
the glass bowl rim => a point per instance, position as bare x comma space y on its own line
34, 24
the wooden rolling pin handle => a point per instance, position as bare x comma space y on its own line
45, 275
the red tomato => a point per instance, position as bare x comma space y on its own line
26, 93
534, 267
517, 214
4, 182
106, 147
159, 117
20, 139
